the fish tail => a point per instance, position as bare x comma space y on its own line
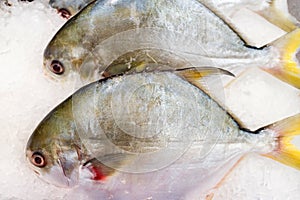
288, 69
286, 152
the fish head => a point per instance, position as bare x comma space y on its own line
52, 153
64, 55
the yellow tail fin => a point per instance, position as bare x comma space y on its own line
286, 152
289, 69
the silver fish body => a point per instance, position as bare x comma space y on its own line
102, 33
155, 135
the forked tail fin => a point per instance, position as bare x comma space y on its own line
289, 67
286, 152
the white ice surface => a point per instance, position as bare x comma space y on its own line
254, 29
258, 99
27, 95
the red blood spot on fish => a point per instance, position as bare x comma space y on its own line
97, 172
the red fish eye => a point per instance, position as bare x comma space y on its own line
64, 13
56, 67
38, 159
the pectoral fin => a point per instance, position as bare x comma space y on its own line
102, 167
98, 170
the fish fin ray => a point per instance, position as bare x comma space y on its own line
289, 68
286, 152
203, 71
102, 167
195, 74
210, 195
99, 171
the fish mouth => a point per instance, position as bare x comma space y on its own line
56, 174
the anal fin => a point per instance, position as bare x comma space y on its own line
210, 195
194, 74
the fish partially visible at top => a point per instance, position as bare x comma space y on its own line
107, 30
150, 136
68, 8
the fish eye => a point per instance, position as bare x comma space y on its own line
57, 67
64, 13
38, 159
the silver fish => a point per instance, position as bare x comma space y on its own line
149, 136
107, 31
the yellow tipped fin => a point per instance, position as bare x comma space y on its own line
194, 74
288, 69
286, 152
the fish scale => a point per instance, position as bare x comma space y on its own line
187, 156
111, 28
